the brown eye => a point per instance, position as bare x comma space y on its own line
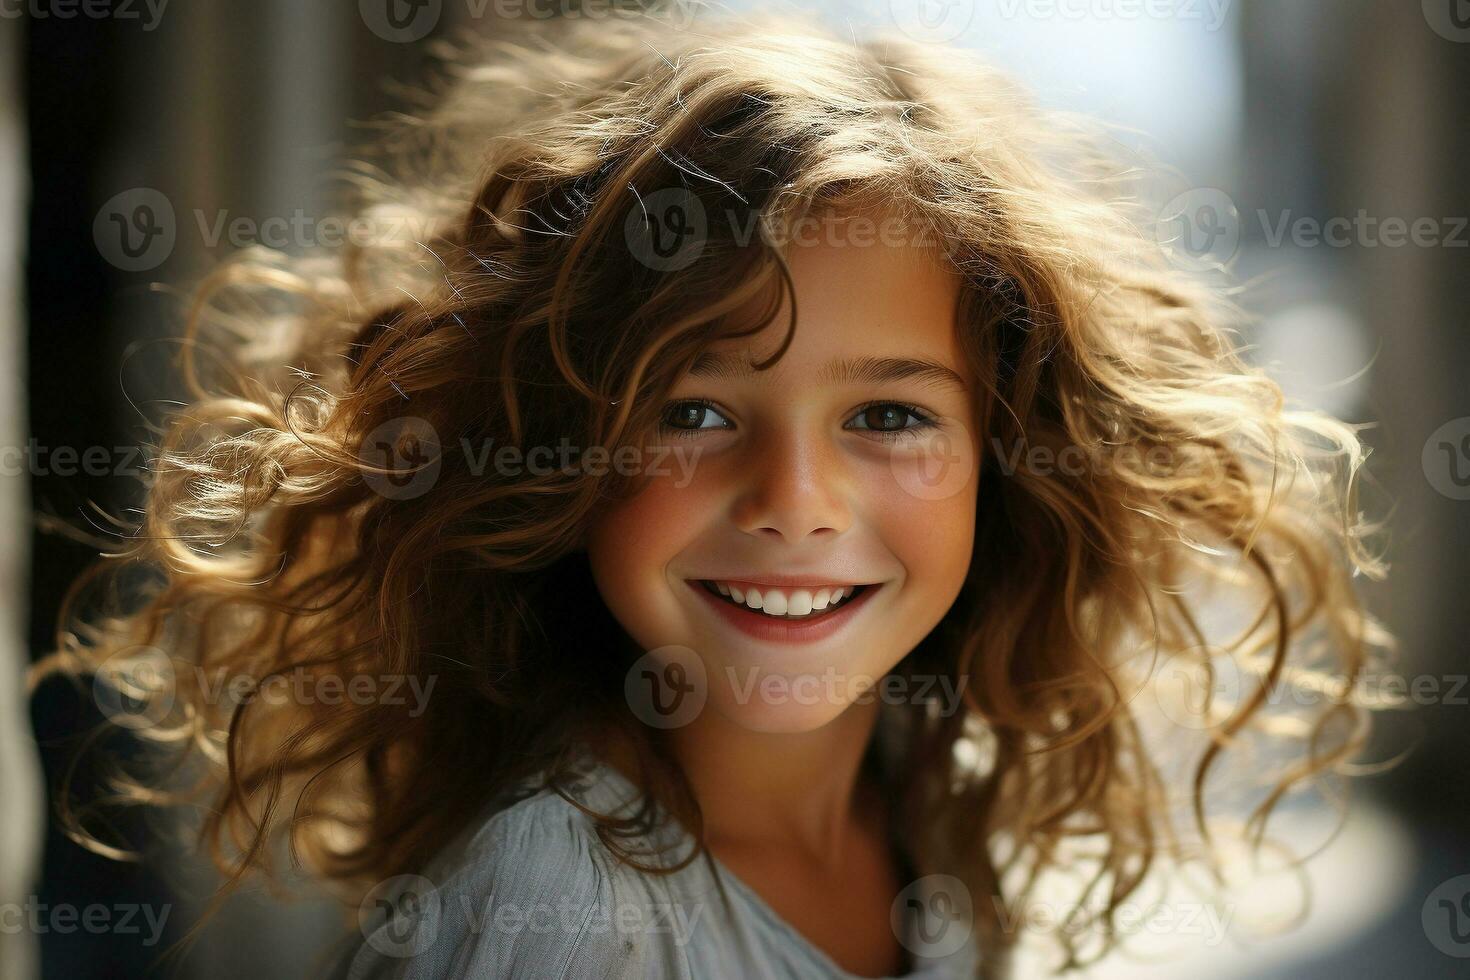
889, 418
693, 415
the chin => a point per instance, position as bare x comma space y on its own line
759, 699
779, 719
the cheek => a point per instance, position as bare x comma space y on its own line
930, 528
629, 547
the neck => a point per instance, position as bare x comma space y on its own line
757, 788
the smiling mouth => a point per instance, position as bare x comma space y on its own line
788, 605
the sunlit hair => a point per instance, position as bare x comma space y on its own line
504, 302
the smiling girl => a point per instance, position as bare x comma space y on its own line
962, 455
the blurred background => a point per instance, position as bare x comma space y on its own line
1316, 147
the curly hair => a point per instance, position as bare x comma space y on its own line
500, 301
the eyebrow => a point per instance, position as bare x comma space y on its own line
857, 370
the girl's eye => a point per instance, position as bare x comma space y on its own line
692, 416
889, 418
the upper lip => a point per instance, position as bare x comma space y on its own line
786, 581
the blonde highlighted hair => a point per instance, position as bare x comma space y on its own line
505, 303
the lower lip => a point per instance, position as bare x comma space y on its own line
772, 630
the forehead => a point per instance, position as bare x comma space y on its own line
859, 297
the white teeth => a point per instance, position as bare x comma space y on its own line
781, 603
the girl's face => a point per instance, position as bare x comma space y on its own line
815, 520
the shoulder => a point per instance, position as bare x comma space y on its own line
530, 891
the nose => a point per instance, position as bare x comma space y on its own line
794, 490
